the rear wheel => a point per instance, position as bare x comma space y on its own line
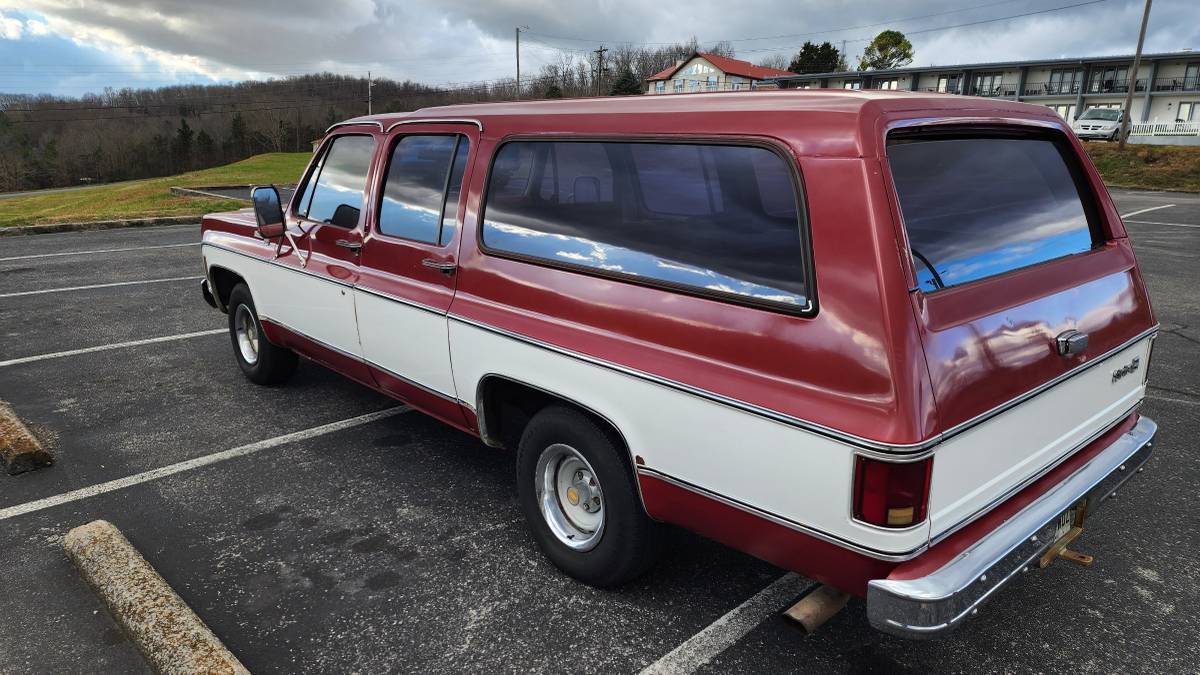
261, 361
580, 499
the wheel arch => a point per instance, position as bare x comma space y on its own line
223, 281
504, 405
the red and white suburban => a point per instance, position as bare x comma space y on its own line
894, 342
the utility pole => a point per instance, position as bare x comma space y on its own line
1127, 111
599, 67
519, 29
370, 85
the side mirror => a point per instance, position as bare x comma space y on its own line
268, 211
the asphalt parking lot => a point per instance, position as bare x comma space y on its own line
312, 538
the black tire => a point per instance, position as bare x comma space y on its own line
274, 365
628, 543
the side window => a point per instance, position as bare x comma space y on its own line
709, 219
337, 195
422, 188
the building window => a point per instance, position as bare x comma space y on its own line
1187, 111
948, 84
1064, 81
887, 84
660, 87
737, 86
678, 86
712, 82
852, 84
988, 84
1109, 79
1065, 110
1191, 77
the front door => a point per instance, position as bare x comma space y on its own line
326, 218
409, 262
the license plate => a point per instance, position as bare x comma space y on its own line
1065, 522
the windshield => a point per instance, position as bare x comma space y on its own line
1106, 114
978, 207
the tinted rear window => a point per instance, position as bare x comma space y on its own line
978, 207
713, 219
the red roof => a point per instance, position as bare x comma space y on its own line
728, 65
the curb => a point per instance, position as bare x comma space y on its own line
20, 450
166, 631
97, 225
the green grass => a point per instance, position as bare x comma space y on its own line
152, 197
1154, 167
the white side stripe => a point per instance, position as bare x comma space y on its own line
1155, 222
115, 345
180, 467
1152, 208
85, 288
102, 250
722, 633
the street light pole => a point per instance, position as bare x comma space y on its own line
1127, 111
518, 30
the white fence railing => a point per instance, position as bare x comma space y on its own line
1164, 129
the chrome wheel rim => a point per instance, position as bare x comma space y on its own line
246, 330
569, 496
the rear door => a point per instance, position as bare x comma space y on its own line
409, 263
1029, 302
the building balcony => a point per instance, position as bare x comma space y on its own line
1114, 86
997, 91
1051, 89
945, 90
1180, 83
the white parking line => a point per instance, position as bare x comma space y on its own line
85, 288
1155, 222
115, 345
102, 250
722, 633
1152, 208
189, 465
1171, 399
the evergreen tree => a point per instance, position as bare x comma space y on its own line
817, 58
889, 49
553, 91
627, 84
183, 145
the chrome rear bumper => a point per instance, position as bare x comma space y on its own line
934, 604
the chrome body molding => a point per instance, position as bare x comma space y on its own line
276, 263
784, 522
864, 446
1003, 497
932, 605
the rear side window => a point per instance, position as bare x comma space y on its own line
978, 207
336, 195
422, 188
718, 220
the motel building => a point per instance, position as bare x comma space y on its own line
709, 72
1166, 100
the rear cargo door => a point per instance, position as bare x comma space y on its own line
1034, 319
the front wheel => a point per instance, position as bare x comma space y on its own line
580, 499
261, 361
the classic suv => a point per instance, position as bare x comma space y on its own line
893, 342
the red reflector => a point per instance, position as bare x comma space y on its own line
891, 494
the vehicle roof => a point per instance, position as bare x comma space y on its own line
835, 118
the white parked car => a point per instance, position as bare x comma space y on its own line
1102, 123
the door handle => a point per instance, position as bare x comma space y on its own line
1071, 343
352, 245
443, 266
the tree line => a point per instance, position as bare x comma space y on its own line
122, 134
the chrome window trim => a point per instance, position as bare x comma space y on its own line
355, 123
784, 522
430, 120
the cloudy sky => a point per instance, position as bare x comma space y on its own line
71, 47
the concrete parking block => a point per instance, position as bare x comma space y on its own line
20, 450
166, 631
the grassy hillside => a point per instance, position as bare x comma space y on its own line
1154, 167
1157, 167
151, 198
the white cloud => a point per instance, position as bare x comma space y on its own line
36, 27
10, 28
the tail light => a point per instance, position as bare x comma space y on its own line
891, 494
